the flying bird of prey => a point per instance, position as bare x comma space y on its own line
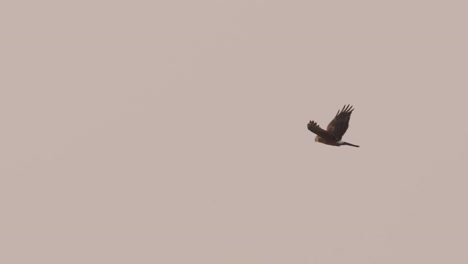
335, 130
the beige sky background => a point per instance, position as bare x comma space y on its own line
175, 132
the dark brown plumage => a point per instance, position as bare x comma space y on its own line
335, 130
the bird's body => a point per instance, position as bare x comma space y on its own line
335, 130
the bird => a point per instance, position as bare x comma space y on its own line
335, 130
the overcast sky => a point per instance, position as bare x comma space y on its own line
175, 132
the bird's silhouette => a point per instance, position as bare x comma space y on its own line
335, 130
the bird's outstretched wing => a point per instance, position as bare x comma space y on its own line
316, 129
340, 123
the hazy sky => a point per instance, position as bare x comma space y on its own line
175, 132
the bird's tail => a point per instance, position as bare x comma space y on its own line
349, 144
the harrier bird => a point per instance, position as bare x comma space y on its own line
335, 130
